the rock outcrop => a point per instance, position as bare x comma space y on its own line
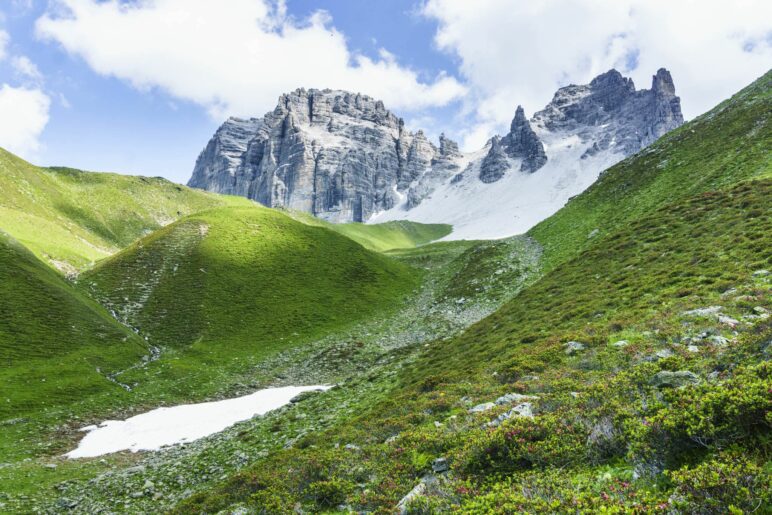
338, 155
612, 113
344, 157
495, 163
522, 142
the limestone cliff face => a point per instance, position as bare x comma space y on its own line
344, 157
338, 155
612, 113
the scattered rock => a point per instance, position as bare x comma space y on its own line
761, 273
703, 312
482, 407
663, 353
693, 348
521, 410
440, 465
352, 447
573, 347
512, 398
139, 469
718, 340
678, 379
731, 322
67, 504
620, 344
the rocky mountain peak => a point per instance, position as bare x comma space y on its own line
495, 164
611, 112
523, 143
662, 83
448, 147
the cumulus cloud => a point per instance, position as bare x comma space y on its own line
233, 60
23, 116
519, 52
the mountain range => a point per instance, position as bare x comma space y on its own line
344, 157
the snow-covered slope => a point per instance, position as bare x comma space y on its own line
516, 202
508, 187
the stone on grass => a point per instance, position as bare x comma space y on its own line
482, 407
440, 465
521, 410
512, 398
573, 347
678, 379
702, 312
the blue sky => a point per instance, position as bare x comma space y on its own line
139, 86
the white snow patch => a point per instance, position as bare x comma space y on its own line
185, 423
516, 202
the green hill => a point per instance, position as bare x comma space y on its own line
70, 218
642, 352
56, 344
227, 286
399, 234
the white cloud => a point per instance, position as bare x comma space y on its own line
234, 60
520, 52
26, 68
4, 38
23, 116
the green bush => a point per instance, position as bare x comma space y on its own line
523, 443
728, 482
330, 493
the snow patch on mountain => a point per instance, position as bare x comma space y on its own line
516, 202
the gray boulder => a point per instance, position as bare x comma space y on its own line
573, 347
678, 379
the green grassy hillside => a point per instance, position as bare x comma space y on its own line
729, 144
56, 344
400, 234
233, 284
70, 218
643, 352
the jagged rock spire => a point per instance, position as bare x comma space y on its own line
495, 163
523, 143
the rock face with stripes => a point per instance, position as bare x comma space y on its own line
338, 155
344, 157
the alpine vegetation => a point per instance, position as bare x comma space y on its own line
341, 313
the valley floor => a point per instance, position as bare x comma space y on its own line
463, 282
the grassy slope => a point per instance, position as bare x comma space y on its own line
71, 218
671, 238
400, 234
52, 340
729, 144
243, 282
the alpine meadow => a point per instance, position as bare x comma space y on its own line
358, 308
